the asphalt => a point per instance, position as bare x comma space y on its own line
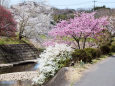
102, 74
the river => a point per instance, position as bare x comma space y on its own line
18, 68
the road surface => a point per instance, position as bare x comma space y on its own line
102, 74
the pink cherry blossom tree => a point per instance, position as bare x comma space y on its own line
83, 26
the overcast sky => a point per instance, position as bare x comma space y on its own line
75, 4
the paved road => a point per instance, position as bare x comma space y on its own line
102, 74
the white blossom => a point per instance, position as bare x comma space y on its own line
34, 19
48, 61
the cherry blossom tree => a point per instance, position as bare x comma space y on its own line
83, 26
34, 19
23, 20
7, 23
111, 26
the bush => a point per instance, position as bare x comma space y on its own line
91, 53
112, 47
80, 54
51, 60
86, 55
105, 49
98, 53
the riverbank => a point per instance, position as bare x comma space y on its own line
28, 75
18, 63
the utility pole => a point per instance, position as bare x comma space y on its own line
94, 4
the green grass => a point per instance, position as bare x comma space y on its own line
13, 40
102, 57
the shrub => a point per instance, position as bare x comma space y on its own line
98, 53
86, 55
105, 49
91, 53
81, 54
51, 60
78, 54
112, 47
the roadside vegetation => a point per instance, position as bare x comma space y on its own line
88, 39
75, 40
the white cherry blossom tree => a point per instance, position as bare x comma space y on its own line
34, 20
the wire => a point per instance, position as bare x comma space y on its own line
104, 2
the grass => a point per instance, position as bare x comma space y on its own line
13, 40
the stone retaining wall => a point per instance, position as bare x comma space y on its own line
17, 52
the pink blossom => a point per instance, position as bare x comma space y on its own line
83, 24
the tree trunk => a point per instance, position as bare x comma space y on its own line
20, 37
78, 44
84, 43
77, 40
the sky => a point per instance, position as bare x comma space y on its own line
75, 4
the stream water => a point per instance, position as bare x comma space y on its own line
16, 83
18, 68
